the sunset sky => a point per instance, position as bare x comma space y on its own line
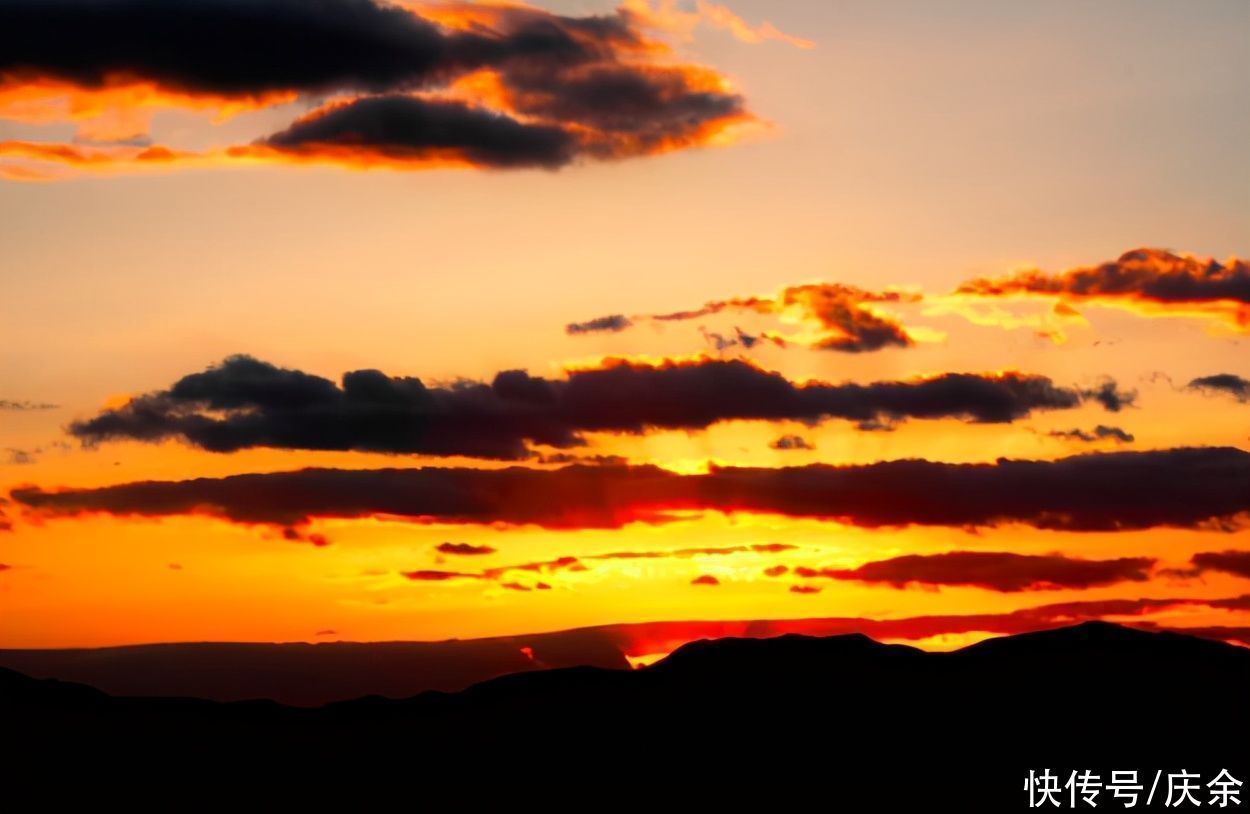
522, 318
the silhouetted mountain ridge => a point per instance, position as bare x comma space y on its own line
1089, 696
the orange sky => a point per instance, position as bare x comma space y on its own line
891, 154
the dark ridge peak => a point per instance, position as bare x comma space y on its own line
1098, 635
778, 653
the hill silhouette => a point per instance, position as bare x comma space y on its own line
845, 713
304, 674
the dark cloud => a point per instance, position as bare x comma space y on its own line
1110, 396
439, 576
843, 316
995, 571
609, 324
1099, 433
1232, 603
23, 406
1236, 563
1147, 274
1181, 488
804, 589
297, 535
790, 442
562, 458
1147, 281
543, 129
1223, 383
19, 457
245, 48
406, 128
244, 403
542, 88
706, 551
464, 549
626, 109
739, 339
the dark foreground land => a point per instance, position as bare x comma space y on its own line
843, 723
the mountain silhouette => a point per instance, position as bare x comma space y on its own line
303, 674
845, 714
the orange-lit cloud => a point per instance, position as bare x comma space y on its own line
119, 108
992, 570
1236, 563
1152, 282
1197, 488
464, 549
831, 316
571, 563
500, 85
41, 159
669, 17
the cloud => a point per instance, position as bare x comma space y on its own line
453, 84
464, 549
566, 563
246, 403
995, 571
439, 576
1099, 433
790, 442
609, 324
1194, 488
25, 406
667, 15
1232, 603
589, 460
499, 575
1223, 383
570, 563
1149, 281
706, 551
837, 317
222, 48
403, 129
1236, 563
298, 535
739, 339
